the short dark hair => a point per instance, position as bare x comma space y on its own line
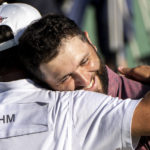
2, 1
8, 57
40, 42
5, 33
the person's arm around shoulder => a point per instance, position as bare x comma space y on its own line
139, 73
141, 118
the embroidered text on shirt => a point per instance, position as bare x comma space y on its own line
8, 118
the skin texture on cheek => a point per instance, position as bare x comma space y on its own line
70, 62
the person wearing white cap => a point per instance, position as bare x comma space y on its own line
32, 118
17, 16
14, 18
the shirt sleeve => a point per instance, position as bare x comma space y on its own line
120, 86
101, 121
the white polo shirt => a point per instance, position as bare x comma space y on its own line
32, 118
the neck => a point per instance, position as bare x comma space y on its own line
12, 75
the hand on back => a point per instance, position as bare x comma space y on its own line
139, 73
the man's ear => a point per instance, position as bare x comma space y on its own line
87, 36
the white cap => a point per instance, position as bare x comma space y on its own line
17, 16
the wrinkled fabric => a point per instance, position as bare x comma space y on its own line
122, 87
32, 118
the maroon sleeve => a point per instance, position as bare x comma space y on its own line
122, 87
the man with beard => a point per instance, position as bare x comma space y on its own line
62, 56
33, 118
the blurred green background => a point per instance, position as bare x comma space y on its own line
138, 50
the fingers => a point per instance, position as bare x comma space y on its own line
139, 73
124, 70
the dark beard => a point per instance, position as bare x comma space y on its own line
103, 76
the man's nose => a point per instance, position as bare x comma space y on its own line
82, 79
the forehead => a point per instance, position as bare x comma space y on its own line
71, 52
71, 49
72, 45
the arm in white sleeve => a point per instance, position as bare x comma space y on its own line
102, 122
